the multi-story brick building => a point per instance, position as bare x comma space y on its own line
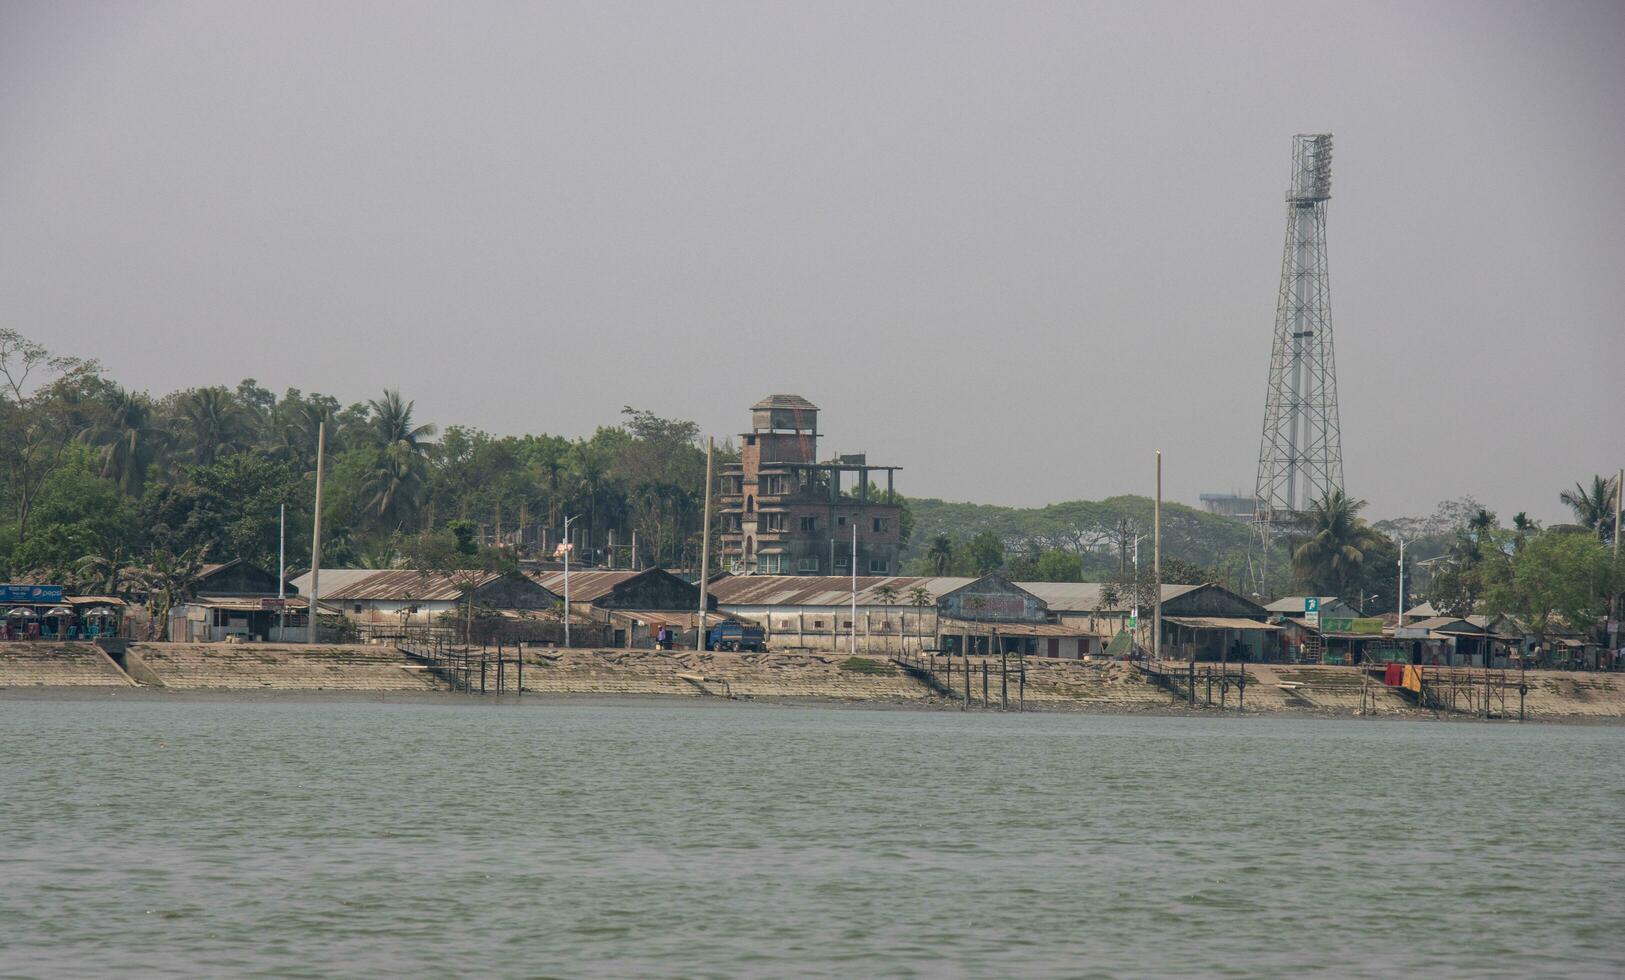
785, 513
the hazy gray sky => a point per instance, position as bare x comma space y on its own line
1011, 247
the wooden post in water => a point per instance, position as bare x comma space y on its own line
966, 705
1004, 680
1022, 658
984, 683
519, 682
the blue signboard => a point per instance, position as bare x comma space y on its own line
30, 593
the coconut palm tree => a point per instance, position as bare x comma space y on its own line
1331, 542
394, 488
590, 478
1593, 506
919, 597
211, 424
167, 580
940, 556
299, 435
391, 424
130, 439
106, 572
887, 597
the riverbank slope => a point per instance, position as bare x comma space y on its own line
1051, 685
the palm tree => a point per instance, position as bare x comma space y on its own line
919, 597
300, 436
213, 424
129, 438
589, 472
1331, 543
392, 424
887, 597
1593, 506
394, 488
940, 556
104, 573
168, 580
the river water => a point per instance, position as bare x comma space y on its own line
330, 837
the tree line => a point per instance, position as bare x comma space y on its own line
95, 477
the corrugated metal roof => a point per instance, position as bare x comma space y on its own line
1218, 623
975, 628
1294, 603
1447, 624
1084, 597
392, 585
785, 401
332, 578
585, 585
824, 590
836, 590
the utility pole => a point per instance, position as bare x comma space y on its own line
316, 536
1156, 564
1401, 621
1613, 600
282, 572
568, 547
852, 645
1135, 590
705, 545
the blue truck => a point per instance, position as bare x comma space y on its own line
734, 635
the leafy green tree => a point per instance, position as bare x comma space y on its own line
986, 553
1055, 565
43, 406
452, 553
1178, 571
1376, 582
231, 509
1556, 577
78, 515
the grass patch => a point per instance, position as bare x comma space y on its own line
864, 665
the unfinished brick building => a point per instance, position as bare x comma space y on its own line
785, 513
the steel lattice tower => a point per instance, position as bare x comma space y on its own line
1301, 456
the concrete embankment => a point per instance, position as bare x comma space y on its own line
44, 664
699, 674
217, 666
1050, 684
